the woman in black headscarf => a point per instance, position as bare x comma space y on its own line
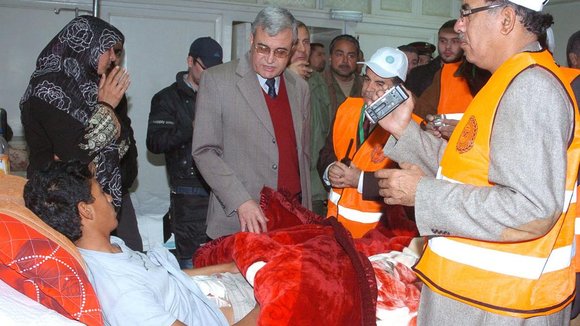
67, 110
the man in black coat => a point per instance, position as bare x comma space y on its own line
170, 132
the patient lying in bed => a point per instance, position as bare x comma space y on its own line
132, 288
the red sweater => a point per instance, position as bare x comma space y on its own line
281, 115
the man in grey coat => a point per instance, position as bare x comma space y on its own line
252, 128
516, 191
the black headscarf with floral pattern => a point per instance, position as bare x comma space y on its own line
66, 78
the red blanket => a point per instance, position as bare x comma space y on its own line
315, 274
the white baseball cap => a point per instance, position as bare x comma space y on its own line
535, 5
388, 62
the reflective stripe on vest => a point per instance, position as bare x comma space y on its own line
346, 204
353, 214
519, 279
454, 116
499, 261
454, 95
504, 262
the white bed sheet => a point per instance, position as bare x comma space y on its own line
18, 309
150, 209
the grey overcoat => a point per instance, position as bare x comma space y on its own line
234, 145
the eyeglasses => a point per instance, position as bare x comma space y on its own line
201, 64
464, 12
279, 53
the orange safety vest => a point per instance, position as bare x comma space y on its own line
571, 74
519, 279
454, 95
416, 118
356, 215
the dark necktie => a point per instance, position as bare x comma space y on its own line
271, 87
367, 127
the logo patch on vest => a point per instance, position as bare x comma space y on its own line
467, 137
377, 155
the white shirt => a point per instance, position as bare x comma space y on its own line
262, 82
138, 289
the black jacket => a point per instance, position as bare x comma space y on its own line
421, 77
170, 132
128, 164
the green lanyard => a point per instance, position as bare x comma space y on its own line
361, 132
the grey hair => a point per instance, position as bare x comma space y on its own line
300, 24
535, 22
274, 20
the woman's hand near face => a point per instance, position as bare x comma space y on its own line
112, 87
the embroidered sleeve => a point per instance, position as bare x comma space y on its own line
103, 128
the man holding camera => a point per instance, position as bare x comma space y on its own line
497, 200
354, 146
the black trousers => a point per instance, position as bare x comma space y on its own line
188, 223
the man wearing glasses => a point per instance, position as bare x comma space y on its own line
252, 128
496, 201
169, 132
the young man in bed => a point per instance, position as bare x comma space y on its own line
133, 288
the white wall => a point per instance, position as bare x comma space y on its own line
157, 44
566, 22
158, 34
23, 34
